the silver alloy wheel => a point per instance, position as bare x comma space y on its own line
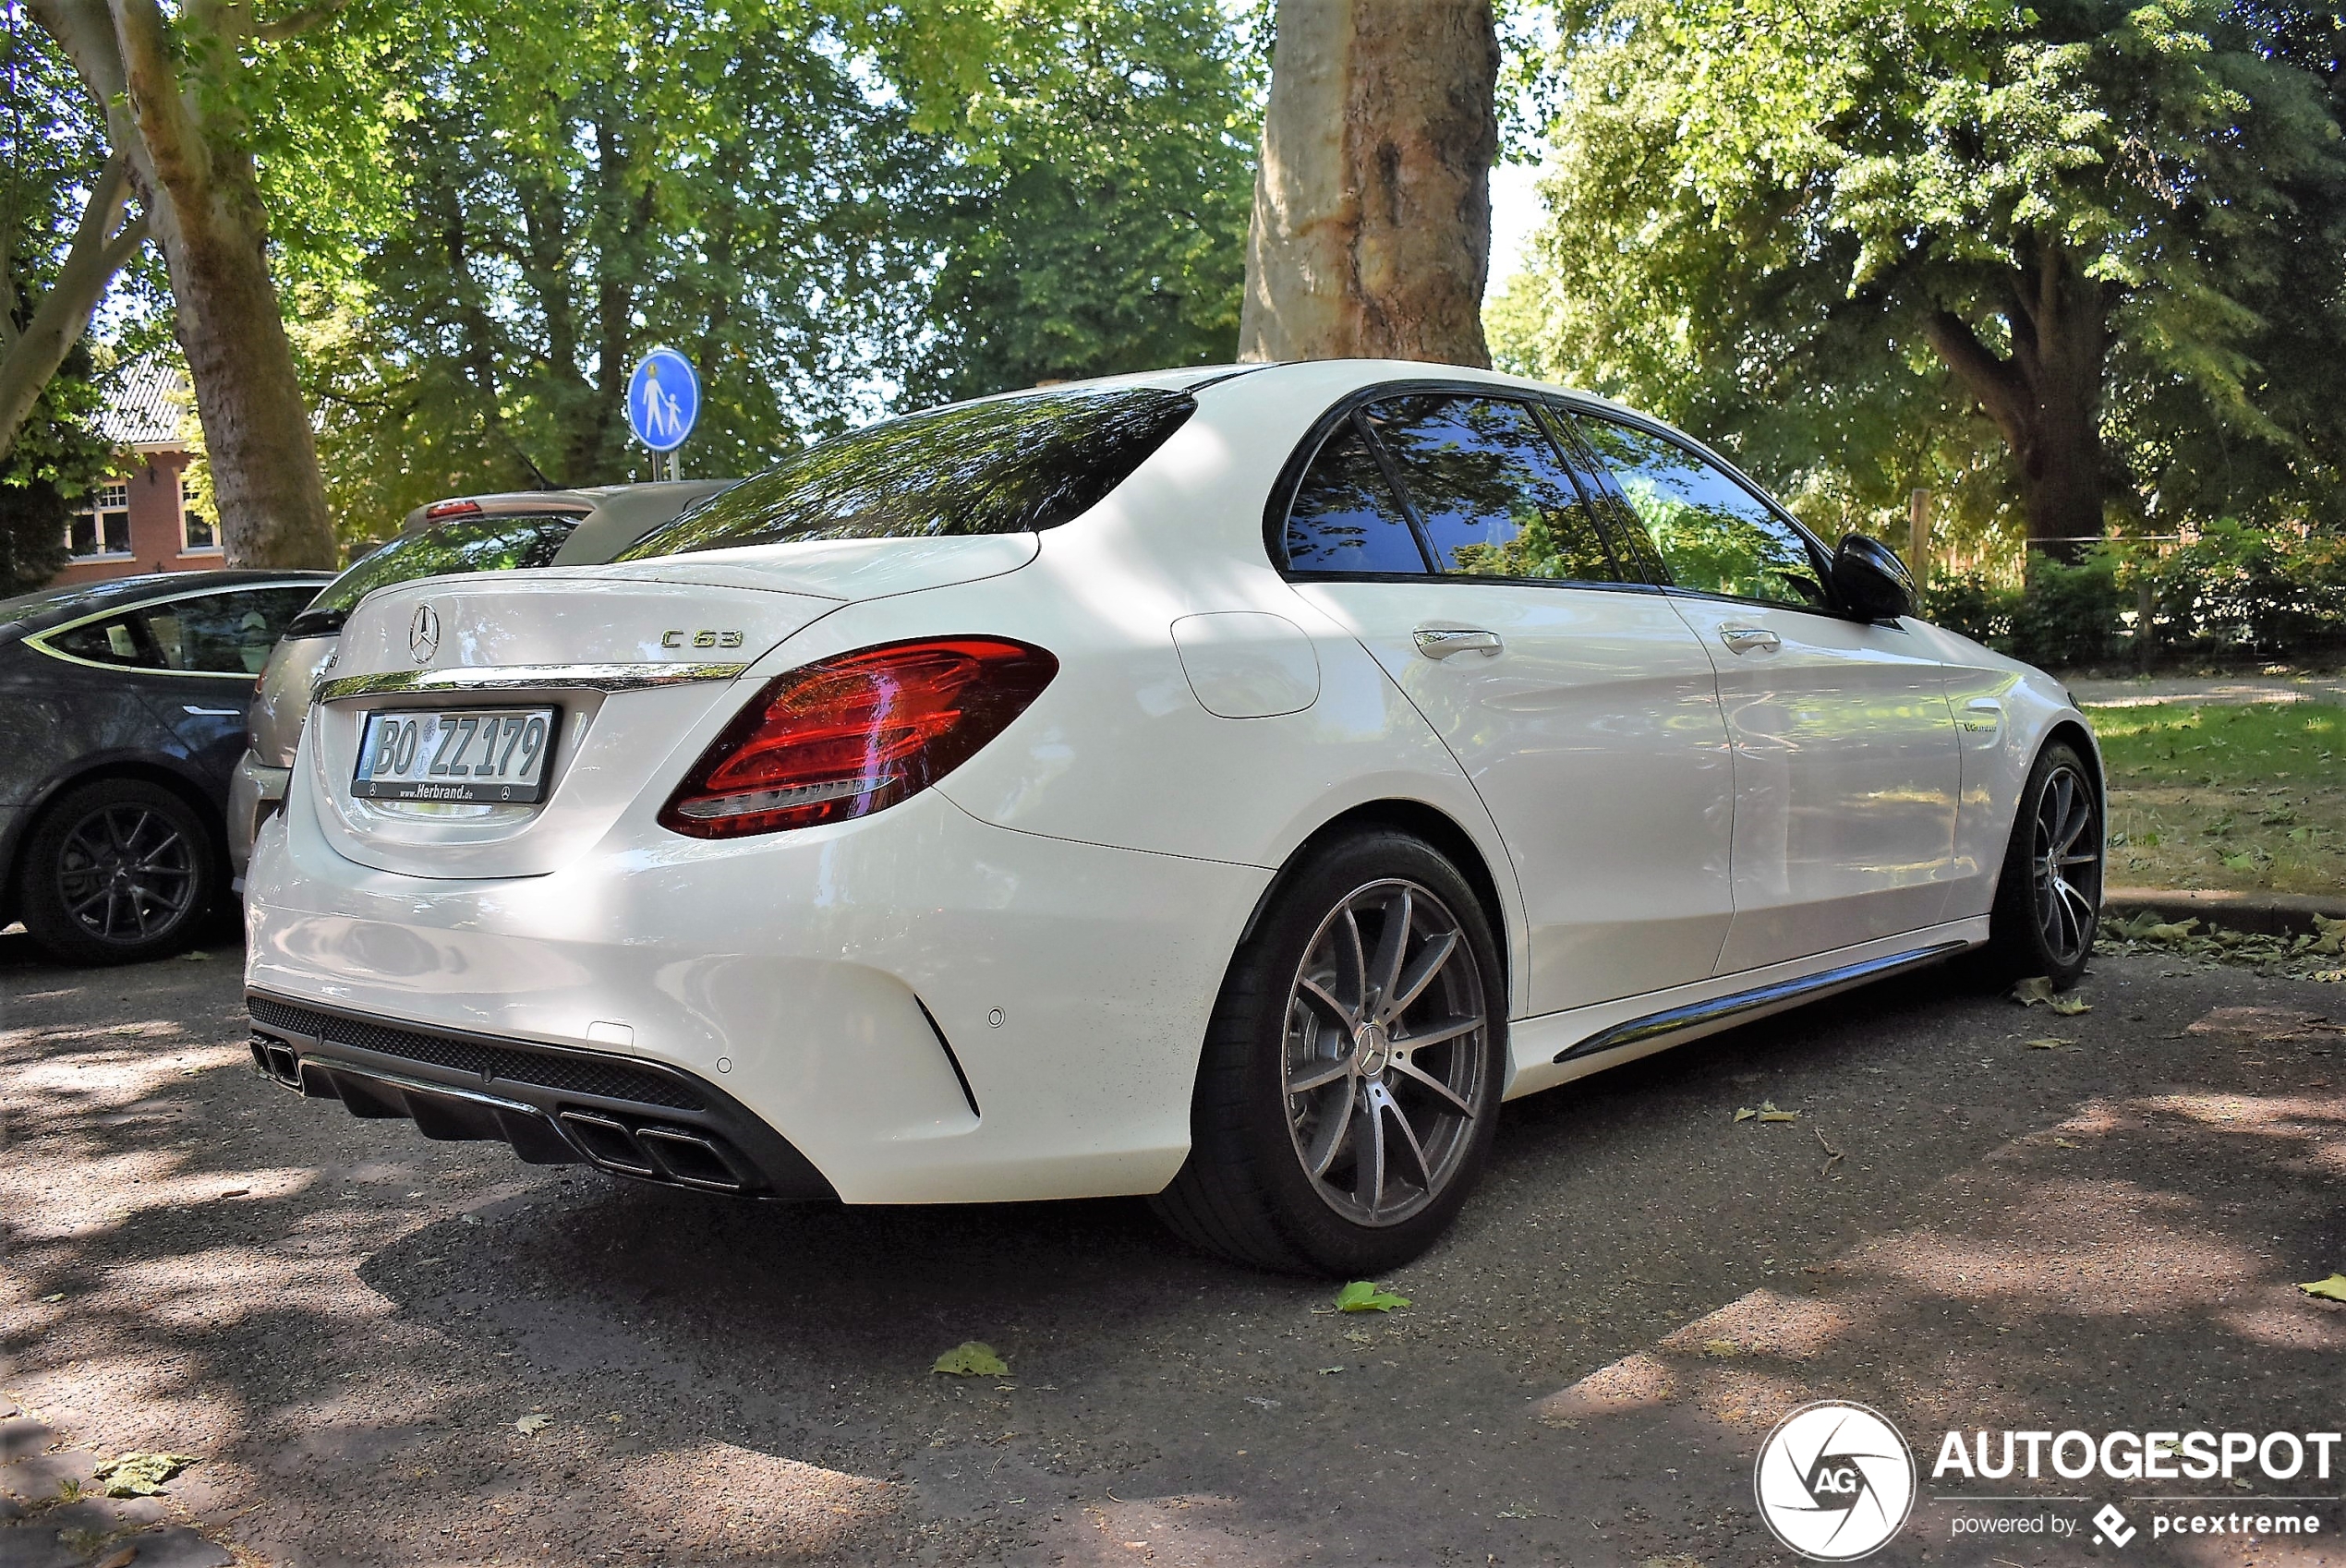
1385, 1053
125, 873
2065, 867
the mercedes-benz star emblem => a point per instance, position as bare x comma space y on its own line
423, 633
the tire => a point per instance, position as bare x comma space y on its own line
117, 871
2048, 894
1288, 1079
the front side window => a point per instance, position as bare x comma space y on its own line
1345, 517
102, 528
1714, 534
1491, 489
223, 633
480, 544
1008, 465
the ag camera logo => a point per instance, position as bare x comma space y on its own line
1835, 1480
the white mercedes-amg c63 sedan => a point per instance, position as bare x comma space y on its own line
1224, 785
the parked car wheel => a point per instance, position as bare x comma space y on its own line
2048, 899
1351, 1076
119, 869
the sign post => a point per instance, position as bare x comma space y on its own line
664, 399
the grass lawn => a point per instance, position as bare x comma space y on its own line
2240, 798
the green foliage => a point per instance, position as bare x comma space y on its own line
1763, 211
583, 180
2248, 590
2231, 591
2067, 616
1104, 176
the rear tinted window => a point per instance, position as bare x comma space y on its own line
480, 544
1008, 466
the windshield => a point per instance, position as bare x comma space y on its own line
1007, 466
447, 549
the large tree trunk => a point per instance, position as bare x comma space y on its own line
1372, 232
102, 243
169, 96
2045, 398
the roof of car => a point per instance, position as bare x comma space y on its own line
50, 607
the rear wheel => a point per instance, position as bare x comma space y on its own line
1351, 1076
117, 870
2048, 899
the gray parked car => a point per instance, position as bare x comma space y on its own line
490, 533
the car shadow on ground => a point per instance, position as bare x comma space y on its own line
348, 1321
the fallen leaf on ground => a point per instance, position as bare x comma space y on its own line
1768, 1112
533, 1423
2171, 931
2070, 1007
1363, 1297
2049, 1042
140, 1474
122, 1559
59, 1297
972, 1360
2064, 1143
1721, 1350
1330, 1371
196, 955
1745, 1114
2034, 989
2330, 1289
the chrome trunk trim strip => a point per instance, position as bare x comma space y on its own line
1654, 1025
522, 678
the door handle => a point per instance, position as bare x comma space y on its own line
1742, 639
1441, 642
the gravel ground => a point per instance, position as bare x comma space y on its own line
342, 1323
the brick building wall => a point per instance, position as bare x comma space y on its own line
139, 523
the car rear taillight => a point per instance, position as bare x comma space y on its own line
849, 735
440, 509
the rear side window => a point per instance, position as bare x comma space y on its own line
1345, 517
479, 543
117, 641
1011, 466
1492, 490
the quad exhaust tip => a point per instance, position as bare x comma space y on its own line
278, 1062
658, 1153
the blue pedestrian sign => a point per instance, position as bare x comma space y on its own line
664, 399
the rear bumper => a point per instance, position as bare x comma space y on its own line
639, 1119
927, 1007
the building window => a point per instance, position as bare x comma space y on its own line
102, 528
201, 534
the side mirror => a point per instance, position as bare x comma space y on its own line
1871, 580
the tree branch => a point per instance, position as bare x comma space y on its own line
1995, 382
174, 149
297, 22
97, 252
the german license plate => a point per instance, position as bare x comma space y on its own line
492, 754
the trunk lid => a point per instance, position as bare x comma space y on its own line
633, 659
